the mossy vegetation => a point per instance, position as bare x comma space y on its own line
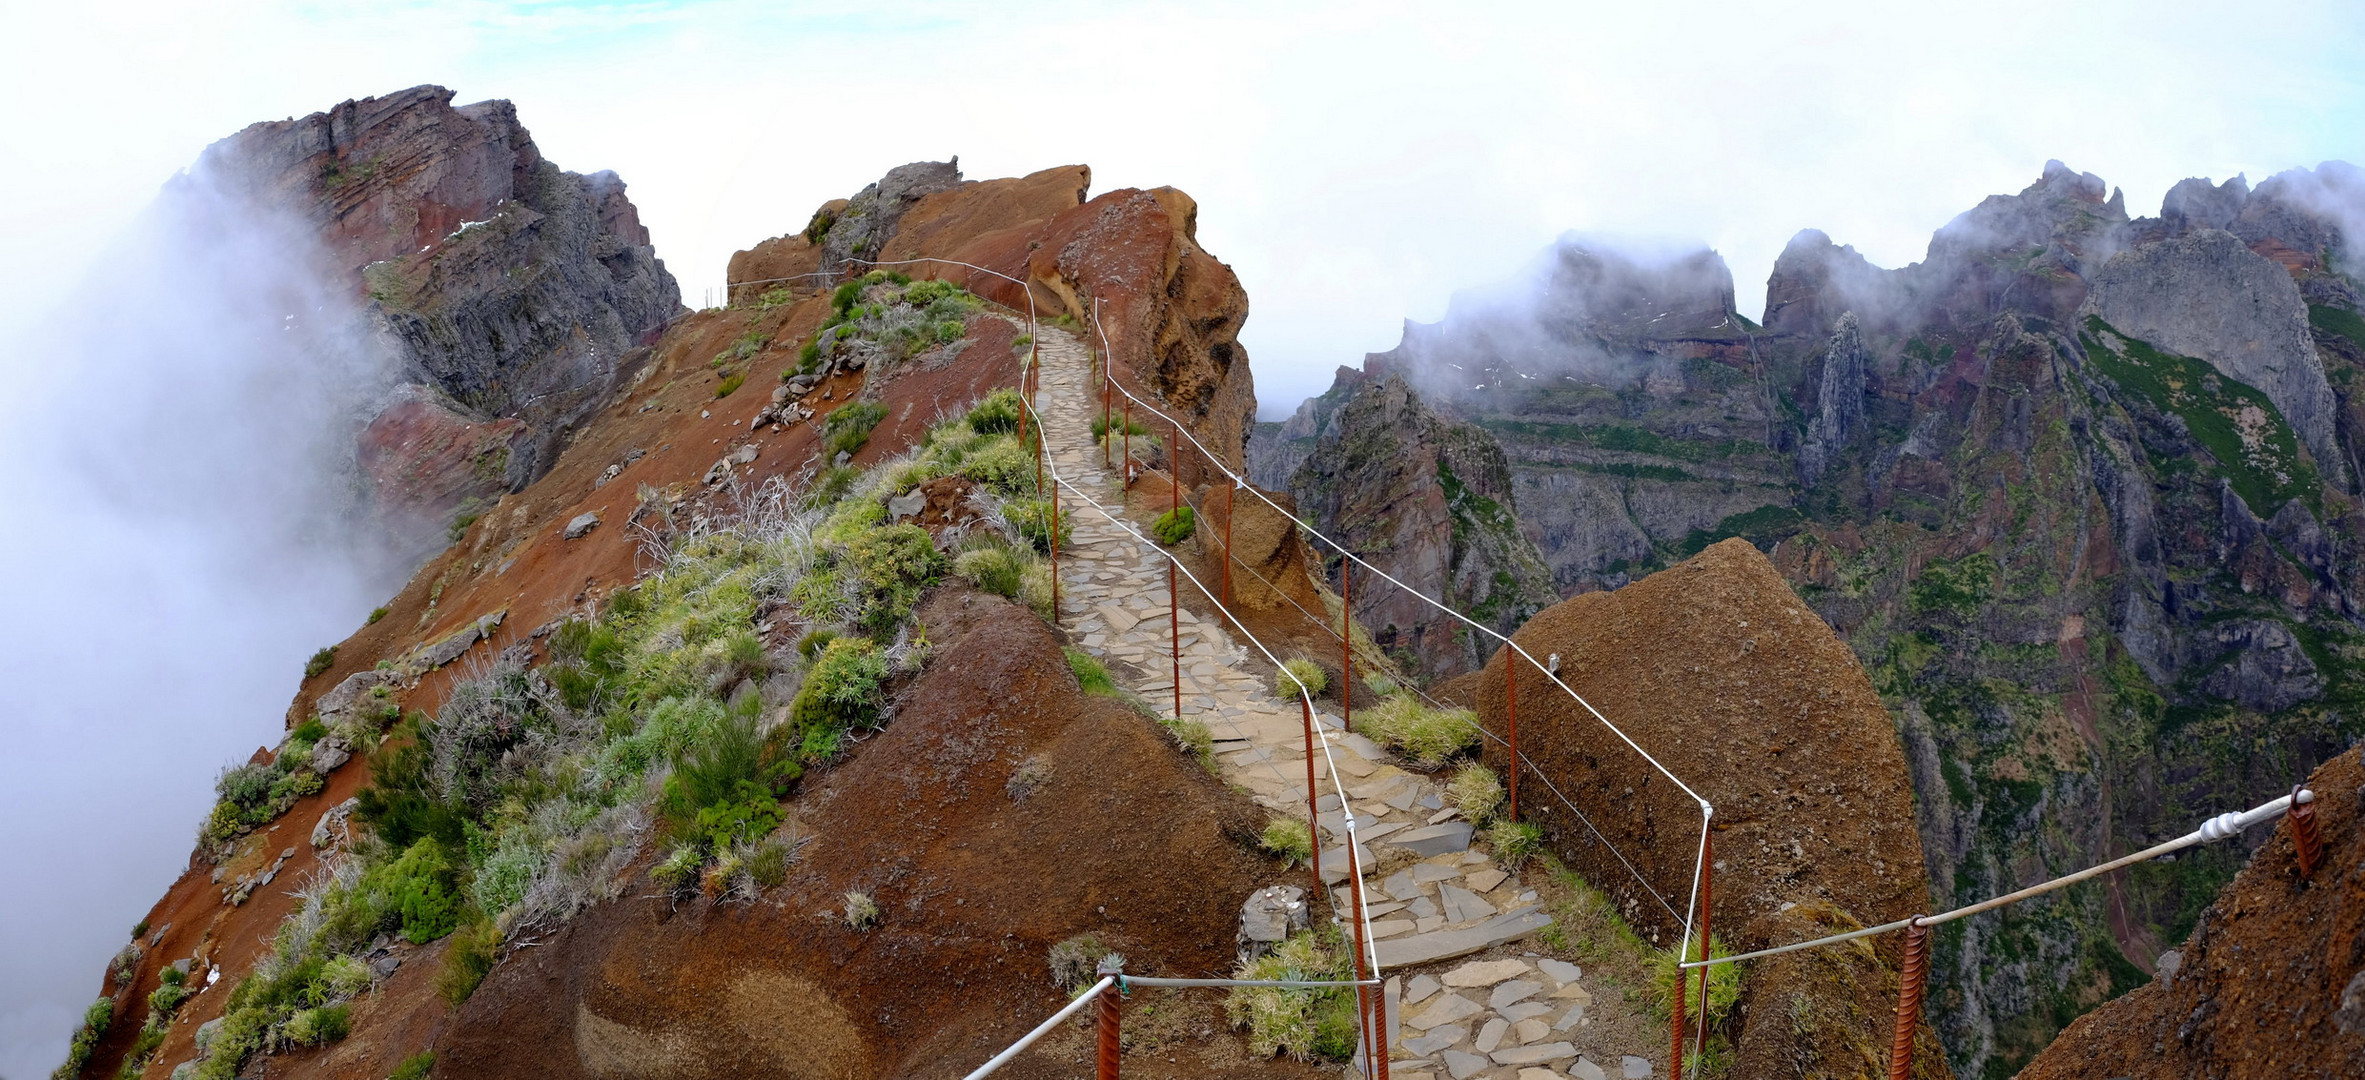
888, 318
525, 797
1424, 736
2244, 434
1316, 1024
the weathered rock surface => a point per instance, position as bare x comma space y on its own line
1426, 500
516, 293
1764, 712
2206, 295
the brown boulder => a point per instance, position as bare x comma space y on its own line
1718, 670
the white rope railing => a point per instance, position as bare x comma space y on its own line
2220, 827
1707, 809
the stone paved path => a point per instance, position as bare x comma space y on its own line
1497, 1019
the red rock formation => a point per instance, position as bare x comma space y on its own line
1718, 670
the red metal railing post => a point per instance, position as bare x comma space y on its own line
1173, 467
1111, 1022
1707, 908
1910, 974
2307, 846
1347, 643
1675, 1056
1313, 809
1174, 634
1511, 706
1125, 467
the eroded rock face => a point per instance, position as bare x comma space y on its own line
1425, 500
517, 294
2207, 295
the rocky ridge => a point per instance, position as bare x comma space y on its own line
2077, 488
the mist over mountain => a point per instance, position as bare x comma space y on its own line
2078, 487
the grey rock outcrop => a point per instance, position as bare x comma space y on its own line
2267, 670
1839, 411
862, 228
2206, 295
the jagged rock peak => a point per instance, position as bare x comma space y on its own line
431, 213
861, 228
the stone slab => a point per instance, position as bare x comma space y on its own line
1446, 944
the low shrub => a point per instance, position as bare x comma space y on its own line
1032, 519
849, 426
322, 660
1101, 428
862, 912
892, 565
1724, 981
678, 872
468, 961
1426, 737
376, 614
1288, 838
1091, 675
95, 1021
997, 570
1001, 464
1297, 671
1310, 1024
1175, 526
1075, 963
1477, 792
319, 1026
998, 413
842, 693
1514, 842
1194, 738
414, 1067
734, 381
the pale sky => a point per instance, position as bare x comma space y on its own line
1356, 163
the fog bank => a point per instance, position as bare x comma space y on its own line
176, 445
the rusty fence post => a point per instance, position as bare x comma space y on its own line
1910, 974
1112, 1018
1675, 1055
2307, 846
1055, 554
1125, 466
1229, 486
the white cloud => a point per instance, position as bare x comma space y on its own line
1356, 162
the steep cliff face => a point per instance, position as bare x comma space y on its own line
517, 294
1425, 500
2271, 983
2076, 488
